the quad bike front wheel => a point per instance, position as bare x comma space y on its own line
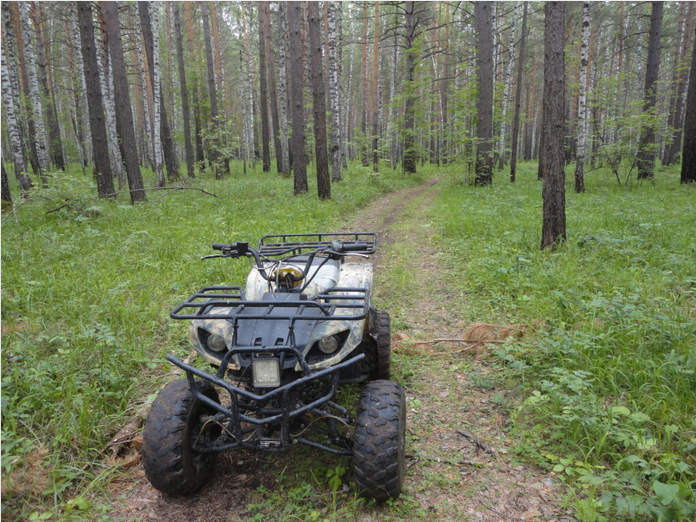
173, 424
379, 450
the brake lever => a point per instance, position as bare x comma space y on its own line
215, 255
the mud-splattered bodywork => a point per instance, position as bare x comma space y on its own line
322, 276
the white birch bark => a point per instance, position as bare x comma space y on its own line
283, 90
333, 95
20, 162
84, 114
156, 95
582, 100
107, 87
142, 83
35, 97
343, 114
507, 86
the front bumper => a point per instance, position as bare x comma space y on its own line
251, 417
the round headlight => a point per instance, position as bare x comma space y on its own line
328, 345
216, 343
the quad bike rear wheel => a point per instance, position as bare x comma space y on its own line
380, 331
173, 424
379, 449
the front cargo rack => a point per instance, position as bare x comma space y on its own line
225, 302
283, 244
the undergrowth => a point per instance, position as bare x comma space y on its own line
86, 289
610, 373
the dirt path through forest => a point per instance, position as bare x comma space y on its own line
449, 476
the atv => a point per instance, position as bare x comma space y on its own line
282, 346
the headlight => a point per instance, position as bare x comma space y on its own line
328, 345
216, 343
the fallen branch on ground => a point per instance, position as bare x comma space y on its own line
485, 447
433, 341
163, 188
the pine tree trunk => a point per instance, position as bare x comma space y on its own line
39, 134
95, 105
319, 102
343, 113
214, 154
14, 129
265, 130
272, 92
333, 94
646, 150
484, 62
147, 128
249, 116
6, 194
186, 115
553, 194
283, 89
124, 115
200, 156
375, 94
297, 144
688, 170
518, 97
444, 89
582, 102
365, 90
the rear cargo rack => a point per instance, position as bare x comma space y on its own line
225, 302
284, 244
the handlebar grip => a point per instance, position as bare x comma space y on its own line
356, 247
221, 246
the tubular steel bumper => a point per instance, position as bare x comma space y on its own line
244, 401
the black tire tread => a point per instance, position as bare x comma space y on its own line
166, 461
381, 332
378, 450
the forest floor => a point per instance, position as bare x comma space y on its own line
450, 387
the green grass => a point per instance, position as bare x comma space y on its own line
86, 293
609, 376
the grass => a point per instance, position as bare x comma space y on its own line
609, 380
86, 293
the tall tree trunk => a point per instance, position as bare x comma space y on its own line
375, 93
365, 89
14, 129
109, 100
319, 102
646, 150
299, 159
214, 154
333, 94
272, 92
217, 52
283, 88
78, 88
484, 62
582, 103
124, 115
688, 170
39, 134
188, 146
6, 194
55, 143
95, 105
343, 113
149, 22
200, 156
444, 89
410, 153
153, 69
265, 130
554, 222
506, 90
249, 117
518, 97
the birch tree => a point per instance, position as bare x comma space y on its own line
518, 97
263, 87
506, 89
333, 95
39, 133
13, 127
582, 101
214, 154
283, 88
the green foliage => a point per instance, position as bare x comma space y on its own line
609, 372
86, 297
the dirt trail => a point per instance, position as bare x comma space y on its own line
449, 476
